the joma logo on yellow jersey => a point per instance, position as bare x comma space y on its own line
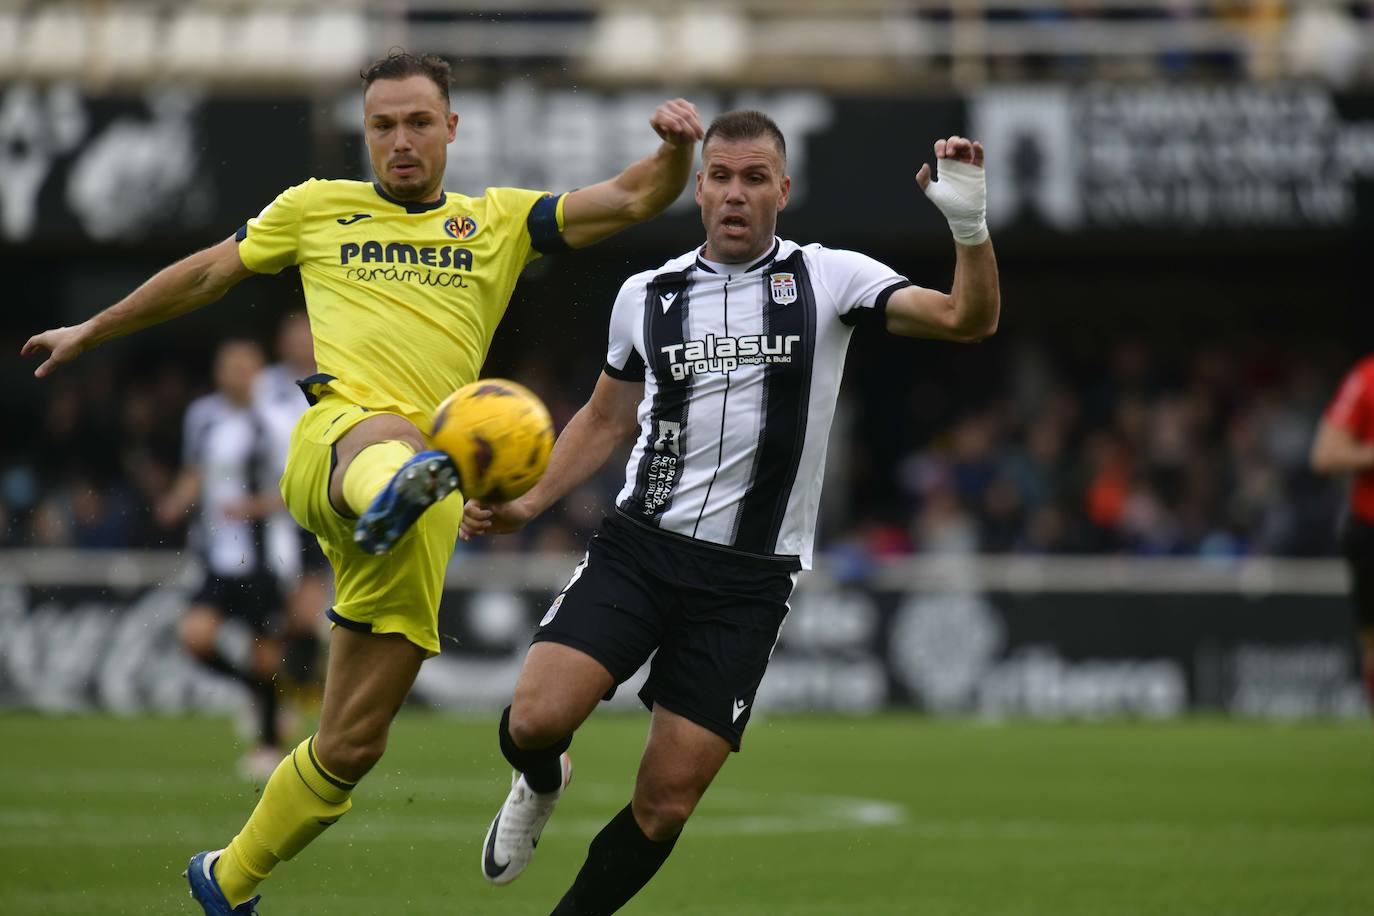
401, 253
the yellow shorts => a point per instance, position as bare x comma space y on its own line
394, 593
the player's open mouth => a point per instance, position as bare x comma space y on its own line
735, 225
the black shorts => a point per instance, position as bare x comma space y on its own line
712, 614
255, 599
1357, 543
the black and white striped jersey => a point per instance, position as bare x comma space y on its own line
741, 367
233, 448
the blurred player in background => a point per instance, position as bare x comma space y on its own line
229, 472
1345, 445
405, 285
725, 363
278, 395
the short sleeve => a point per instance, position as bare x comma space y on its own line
535, 217
858, 285
1350, 408
270, 241
623, 359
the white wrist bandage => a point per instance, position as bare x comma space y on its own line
960, 191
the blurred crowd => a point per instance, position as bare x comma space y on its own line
1206, 456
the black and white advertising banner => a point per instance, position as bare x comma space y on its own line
1168, 157
1046, 639
1163, 162
171, 166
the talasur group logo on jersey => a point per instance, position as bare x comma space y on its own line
784, 288
460, 227
726, 354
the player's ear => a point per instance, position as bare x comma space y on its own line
452, 125
700, 175
786, 191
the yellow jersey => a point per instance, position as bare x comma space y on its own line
403, 297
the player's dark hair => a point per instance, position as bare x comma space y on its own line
400, 64
746, 124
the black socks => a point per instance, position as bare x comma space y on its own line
542, 769
620, 861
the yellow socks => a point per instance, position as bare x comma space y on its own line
370, 470
300, 800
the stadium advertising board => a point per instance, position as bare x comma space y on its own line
168, 166
1166, 157
1070, 160
1062, 648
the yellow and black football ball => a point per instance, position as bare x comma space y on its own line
499, 434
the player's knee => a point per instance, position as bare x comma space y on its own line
662, 814
350, 756
536, 726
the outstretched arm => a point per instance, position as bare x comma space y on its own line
970, 311
644, 189
1337, 451
608, 417
187, 285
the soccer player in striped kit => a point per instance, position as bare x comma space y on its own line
724, 364
229, 476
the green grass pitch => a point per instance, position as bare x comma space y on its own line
887, 815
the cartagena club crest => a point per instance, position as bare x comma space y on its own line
460, 227
784, 288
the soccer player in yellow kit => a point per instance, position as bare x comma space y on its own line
404, 284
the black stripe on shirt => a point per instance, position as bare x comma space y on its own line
259, 473
661, 463
786, 404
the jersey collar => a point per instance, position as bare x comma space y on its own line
411, 206
703, 264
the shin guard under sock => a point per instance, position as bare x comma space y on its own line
541, 767
299, 802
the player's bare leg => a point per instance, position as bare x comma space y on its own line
679, 763
559, 687
387, 478
254, 662
369, 677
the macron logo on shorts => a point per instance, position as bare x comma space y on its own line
740, 707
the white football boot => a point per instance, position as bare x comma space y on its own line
514, 832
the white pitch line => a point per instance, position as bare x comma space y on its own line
798, 814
